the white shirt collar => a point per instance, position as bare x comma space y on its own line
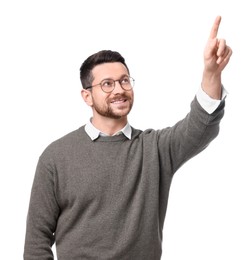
94, 133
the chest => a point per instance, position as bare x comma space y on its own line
106, 175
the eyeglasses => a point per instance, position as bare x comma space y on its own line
108, 85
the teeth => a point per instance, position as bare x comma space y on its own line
118, 101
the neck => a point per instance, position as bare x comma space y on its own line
109, 126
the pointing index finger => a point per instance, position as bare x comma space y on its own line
214, 30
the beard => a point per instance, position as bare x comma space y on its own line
107, 109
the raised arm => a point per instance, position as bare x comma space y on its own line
216, 57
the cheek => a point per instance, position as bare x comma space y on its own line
132, 96
99, 99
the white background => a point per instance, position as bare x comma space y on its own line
42, 46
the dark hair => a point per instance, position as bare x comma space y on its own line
100, 57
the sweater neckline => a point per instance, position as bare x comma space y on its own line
115, 138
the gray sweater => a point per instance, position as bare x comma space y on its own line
107, 199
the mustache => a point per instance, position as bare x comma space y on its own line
118, 97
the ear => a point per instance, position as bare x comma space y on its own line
87, 97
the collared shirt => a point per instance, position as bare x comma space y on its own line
94, 133
207, 103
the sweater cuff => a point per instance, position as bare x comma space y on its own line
207, 103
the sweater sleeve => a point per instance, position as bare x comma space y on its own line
189, 136
42, 215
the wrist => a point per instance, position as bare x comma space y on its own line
211, 84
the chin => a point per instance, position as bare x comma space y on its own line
118, 116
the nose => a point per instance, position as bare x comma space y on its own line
118, 88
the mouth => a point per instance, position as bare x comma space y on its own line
118, 101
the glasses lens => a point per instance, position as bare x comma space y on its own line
108, 85
132, 82
127, 83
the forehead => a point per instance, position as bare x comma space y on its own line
112, 70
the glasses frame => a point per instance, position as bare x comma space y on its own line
131, 83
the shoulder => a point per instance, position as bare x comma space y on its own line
65, 143
150, 133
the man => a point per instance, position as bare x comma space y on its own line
101, 191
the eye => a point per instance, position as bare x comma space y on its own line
125, 80
107, 83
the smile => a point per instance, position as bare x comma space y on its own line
118, 101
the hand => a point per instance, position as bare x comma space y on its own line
216, 57
217, 53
